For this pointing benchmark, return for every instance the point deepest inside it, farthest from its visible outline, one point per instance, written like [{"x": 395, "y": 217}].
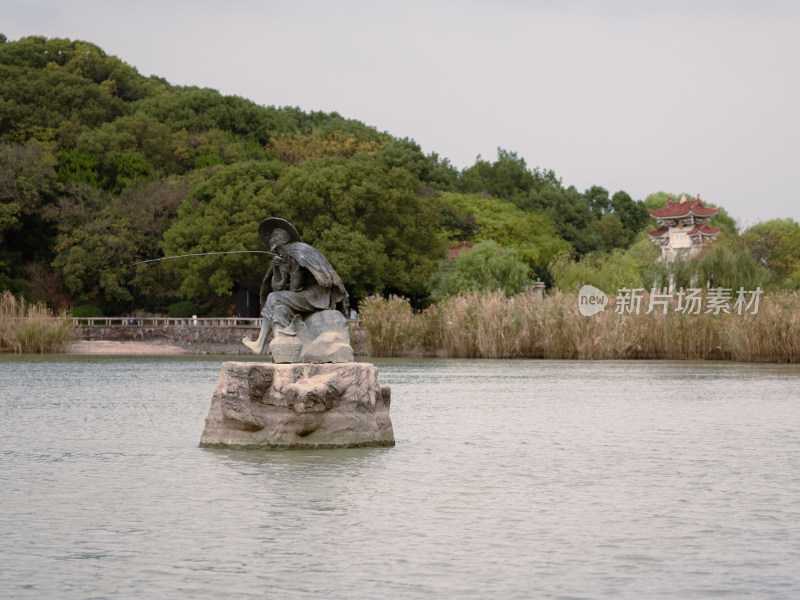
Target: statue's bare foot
[{"x": 254, "y": 346}]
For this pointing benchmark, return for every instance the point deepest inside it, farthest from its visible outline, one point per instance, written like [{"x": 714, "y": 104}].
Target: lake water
[{"x": 510, "y": 479}]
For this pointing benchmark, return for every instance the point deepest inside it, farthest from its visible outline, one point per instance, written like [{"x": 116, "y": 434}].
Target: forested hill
[{"x": 101, "y": 167}]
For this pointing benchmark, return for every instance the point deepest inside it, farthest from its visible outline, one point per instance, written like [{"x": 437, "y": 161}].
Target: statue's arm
[
  {"x": 296, "y": 277},
  {"x": 274, "y": 281},
  {"x": 265, "y": 287},
  {"x": 280, "y": 274}
]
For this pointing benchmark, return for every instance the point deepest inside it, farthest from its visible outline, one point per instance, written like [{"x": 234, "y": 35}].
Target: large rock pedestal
[{"x": 260, "y": 405}]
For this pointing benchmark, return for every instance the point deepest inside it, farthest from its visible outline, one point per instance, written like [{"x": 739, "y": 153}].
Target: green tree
[
  {"x": 507, "y": 178},
  {"x": 654, "y": 271},
  {"x": 366, "y": 218},
  {"x": 611, "y": 232},
  {"x": 201, "y": 149},
  {"x": 27, "y": 182},
  {"x": 734, "y": 269},
  {"x": 484, "y": 268},
  {"x": 431, "y": 171},
  {"x": 101, "y": 237},
  {"x": 220, "y": 214},
  {"x": 606, "y": 271},
  {"x": 128, "y": 149},
  {"x": 571, "y": 215},
  {"x": 49, "y": 82},
  {"x": 78, "y": 166},
  {"x": 598, "y": 200},
  {"x": 381, "y": 203},
  {"x": 532, "y": 235},
  {"x": 28, "y": 185},
  {"x": 195, "y": 109},
  {"x": 775, "y": 244},
  {"x": 361, "y": 262},
  {"x": 632, "y": 215}
]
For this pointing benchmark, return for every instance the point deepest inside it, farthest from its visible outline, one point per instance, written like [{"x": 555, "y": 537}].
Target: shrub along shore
[
  {"x": 528, "y": 326},
  {"x": 28, "y": 327}
]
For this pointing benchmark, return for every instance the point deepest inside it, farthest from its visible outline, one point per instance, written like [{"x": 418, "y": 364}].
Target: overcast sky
[{"x": 685, "y": 95}]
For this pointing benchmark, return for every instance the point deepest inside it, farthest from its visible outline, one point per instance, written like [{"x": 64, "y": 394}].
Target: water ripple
[{"x": 512, "y": 479}]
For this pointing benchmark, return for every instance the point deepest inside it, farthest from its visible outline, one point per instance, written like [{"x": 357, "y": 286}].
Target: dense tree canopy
[
  {"x": 380, "y": 208},
  {"x": 102, "y": 168}
]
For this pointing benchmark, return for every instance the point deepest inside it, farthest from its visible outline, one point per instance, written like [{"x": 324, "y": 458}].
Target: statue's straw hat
[{"x": 267, "y": 226}]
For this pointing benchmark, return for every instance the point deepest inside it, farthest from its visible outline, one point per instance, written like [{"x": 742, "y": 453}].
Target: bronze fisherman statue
[{"x": 300, "y": 281}]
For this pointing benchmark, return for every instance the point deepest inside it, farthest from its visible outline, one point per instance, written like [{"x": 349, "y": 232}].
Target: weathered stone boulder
[
  {"x": 326, "y": 338},
  {"x": 261, "y": 405},
  {"x": 320, "y": 337}
]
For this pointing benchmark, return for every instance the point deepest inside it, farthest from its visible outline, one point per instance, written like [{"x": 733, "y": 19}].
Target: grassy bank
[
  {"x": 28, "y": 327},
  {"x": 526, "y": 326}
]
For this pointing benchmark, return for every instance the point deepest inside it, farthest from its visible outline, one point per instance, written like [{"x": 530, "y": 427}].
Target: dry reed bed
[
  {"x": 28, "y": 327},
  {"x": 526, "y": 326}
]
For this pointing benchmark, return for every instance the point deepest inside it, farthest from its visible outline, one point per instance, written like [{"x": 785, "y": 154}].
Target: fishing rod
[
  {"x": 205, "y": 254},
  {"x": 142, "y": 398},
  {"x": 139, "y": 387}
]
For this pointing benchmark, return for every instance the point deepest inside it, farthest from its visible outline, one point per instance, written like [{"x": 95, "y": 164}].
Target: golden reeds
[
  {"x": 390, "y": 326},
  {"x": 493, "y": 326},
  {"x": 28, "y": 327}
]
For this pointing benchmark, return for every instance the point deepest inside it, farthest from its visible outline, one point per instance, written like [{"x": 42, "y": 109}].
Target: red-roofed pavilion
[{"x": 683, "y": 227}]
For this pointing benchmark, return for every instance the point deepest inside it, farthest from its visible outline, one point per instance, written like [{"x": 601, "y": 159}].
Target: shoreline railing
[{"x": 165, "y": 322}]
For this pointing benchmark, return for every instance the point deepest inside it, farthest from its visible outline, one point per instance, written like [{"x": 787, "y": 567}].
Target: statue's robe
[{"x": 307, "y": 283}]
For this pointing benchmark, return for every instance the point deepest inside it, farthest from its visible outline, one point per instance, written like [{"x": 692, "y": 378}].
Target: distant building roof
[
  {"x": 658, "y": 232},
  {"x": 454, "y": 251},
  {"x": 682, "y": 208},
  {"x": 704, "y": 230}
]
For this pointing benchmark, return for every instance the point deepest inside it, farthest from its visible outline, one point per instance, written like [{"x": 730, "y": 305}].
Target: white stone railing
[{"x": 164, "y": 322}]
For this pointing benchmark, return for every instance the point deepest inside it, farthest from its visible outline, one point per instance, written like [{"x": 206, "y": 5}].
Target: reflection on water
[{"x": 511, "y": 479}]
